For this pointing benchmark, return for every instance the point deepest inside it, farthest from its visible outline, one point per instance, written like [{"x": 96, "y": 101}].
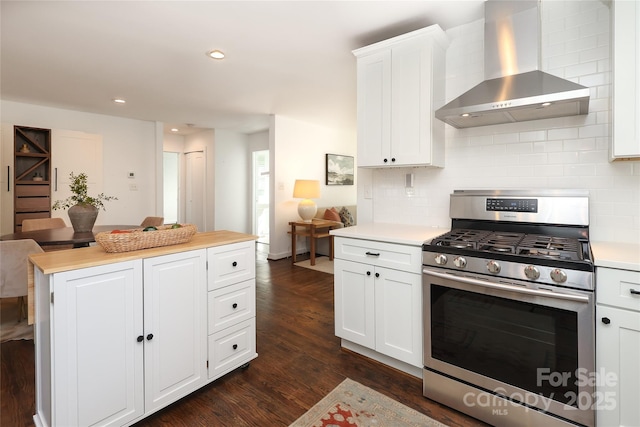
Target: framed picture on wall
[{"x": 339, "y": 169}]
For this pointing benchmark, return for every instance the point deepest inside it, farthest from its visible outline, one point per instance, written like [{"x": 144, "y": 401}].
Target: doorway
[{"x": 261, "y": 196}]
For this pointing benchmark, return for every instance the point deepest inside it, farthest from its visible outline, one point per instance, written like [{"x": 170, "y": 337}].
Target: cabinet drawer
[
  {"x": 33, "y": 204},
  {"x": 618, "y": 288},
  {"x": 32, "y": 190},
  {"x": 231, "y": 264},
  {"x": 391, "y": 255},
  {"x": 231, "y": 304},
  {"x": 232, "y": 347}
]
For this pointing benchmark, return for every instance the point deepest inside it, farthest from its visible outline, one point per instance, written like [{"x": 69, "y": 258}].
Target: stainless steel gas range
[{"x": 508, "y": 309}]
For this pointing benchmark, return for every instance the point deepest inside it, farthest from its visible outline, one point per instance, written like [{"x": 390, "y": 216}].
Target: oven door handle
[{"x": 491, "y": 285}]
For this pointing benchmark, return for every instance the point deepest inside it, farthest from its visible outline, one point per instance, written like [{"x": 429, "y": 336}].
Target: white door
[
  {"x": 175, "y": 326},
  {"x": 195, "y": 189},
  {"x": 76, "y": 152}
]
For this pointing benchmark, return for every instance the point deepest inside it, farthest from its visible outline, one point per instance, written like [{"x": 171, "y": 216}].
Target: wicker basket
[{"x": 138, "y": 239}]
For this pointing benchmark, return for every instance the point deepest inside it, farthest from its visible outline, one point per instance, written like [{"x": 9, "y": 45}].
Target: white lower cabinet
[
  {"x": 377, "y": 306},
  {"x": 117, "y": 342},
  {"x": 618, "y": 347}
]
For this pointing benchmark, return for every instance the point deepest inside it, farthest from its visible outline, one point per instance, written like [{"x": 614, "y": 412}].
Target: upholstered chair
[
  {"x": 13, "y": 270},
  {"x": 42, "y": 224}
]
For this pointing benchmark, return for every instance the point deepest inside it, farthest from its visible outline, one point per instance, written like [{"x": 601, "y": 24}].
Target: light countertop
[
  {"x": 412, "y": 235},
  {"x": 625, "y": 256}
]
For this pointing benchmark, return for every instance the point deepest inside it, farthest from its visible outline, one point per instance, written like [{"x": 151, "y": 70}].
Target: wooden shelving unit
[{"x": 32, "y": 177}]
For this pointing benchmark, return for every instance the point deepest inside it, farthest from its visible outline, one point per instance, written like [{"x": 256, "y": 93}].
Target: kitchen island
[{"x": 119, "y": 336}]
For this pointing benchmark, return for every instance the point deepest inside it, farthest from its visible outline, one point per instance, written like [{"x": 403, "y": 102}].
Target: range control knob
[
  {"x": 441, "y": 259},
  {"x": 558, "y": 275},
  {"x": 460, "y": 262},
  {"x": 493, "y": 267},
  {"x": 532, "y": 272}
]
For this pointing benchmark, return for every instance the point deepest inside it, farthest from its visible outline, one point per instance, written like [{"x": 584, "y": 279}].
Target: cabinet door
[
  {"x": 398, "y": 306},
  {"x": 617, "y": 356},
  {"x": 410, "y": 103},
  {"x": 354, "y": 302},
  {"x": 97, "y": 362},
  {"x": 374, "y": 109},
  {"x": 626, "y": 84},
  {"x": 175, "y": 326},
  {"x": 6, "y": 180}
]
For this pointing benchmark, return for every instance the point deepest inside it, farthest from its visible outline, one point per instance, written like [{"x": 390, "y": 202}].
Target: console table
[{"x": 316, "y": 229}]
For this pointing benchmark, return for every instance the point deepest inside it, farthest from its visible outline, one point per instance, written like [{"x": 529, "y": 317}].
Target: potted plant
[{"x": 83, "y": 209}]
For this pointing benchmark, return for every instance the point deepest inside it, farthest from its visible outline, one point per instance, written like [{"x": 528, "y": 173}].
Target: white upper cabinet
[
  {"x": 626, "y": 80},
  {"x": 400, "y": 85}
]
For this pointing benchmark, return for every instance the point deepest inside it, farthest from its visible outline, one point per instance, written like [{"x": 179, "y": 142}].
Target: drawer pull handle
[
  {"x": 606, "y": 320},
  {"x": 234, "y": 263},
  {"x": 372, "y": 253},
  {"x": 140, "y": 338},
  {"x": 235, "y": 305},
  {"x": 235, "y": 346},
  {"x": 634, "y": 292}
]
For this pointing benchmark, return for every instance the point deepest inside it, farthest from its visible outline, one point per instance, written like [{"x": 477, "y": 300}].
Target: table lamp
[{"x": 307, "y": 189}]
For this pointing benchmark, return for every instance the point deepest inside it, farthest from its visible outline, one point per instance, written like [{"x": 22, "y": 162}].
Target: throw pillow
[
  {"x": 346, "y": 217},
  {"x": 332, "y": 215}
]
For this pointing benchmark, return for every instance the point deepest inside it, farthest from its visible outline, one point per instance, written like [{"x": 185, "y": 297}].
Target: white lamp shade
[{"x": 307, "y": 189}]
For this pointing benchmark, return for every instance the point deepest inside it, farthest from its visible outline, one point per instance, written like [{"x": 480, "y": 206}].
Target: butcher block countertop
[{"x": 73, "y": 259}]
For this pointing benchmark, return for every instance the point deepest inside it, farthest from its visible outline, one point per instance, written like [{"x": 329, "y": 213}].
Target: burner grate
[
  {"x": 500, "y": 242},
  {"x": 550, "y": 247},
  {"x": 461, "y": 238}
]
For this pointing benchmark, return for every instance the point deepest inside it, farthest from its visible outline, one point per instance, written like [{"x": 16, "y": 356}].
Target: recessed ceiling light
[
  {"x": 174, "y": 129},
  {"x": 546, "y": 104},
  {"x": 119, "y": 101},
  {"x": 465, "y": 115},
  {"x": 215, "y": 54}
]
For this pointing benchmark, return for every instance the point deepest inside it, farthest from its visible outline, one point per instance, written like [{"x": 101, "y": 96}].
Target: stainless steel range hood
[{"x": 515, "y": 89}]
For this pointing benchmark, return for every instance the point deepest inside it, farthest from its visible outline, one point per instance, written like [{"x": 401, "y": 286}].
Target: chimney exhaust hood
[{"x": 515, "y": 89}]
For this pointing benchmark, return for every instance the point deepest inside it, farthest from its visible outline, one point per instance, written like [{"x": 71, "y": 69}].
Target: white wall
[
  {"x": 560, "y": 153},
  {"x": 233, "y": 182},
  {"x": 129, "y": 146},
  {"x": 298, "y": 152}
]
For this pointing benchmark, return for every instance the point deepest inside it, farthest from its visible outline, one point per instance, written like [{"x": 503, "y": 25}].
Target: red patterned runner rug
[{"x": 352, "y": 404}]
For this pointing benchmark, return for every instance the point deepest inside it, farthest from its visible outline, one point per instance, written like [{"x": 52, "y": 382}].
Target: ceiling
[{"x": 290, "y": 58}]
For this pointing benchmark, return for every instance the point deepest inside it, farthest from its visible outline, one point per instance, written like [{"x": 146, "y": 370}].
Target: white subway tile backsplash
[{"x": 564, "y": 153}]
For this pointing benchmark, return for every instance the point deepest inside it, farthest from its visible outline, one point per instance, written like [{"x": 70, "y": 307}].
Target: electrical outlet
[{"x": 131, "y": 175}]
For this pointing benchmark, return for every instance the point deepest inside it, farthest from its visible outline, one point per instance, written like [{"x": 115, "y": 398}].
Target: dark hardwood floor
[{"x": 299, "y": 362}]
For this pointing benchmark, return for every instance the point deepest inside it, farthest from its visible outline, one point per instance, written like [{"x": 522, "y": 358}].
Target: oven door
[{"x": 534, "y": 346}]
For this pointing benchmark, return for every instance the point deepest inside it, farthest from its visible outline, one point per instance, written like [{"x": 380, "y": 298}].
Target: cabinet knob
[
  {"x": 606, "y": 320},
  {"x": 149, "y": 337},
  {"x": 140, "y": 338},
  {"x": 235, "y": 346},
  {"x": 235, "y": 305},
  {"x": 234, "y": 263},
  {"x": 385, "y": 160},
  {"x": 377, "y": 274},
  {"x": 368, "y": 273},
  {"x": 393, "y": 159}
]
